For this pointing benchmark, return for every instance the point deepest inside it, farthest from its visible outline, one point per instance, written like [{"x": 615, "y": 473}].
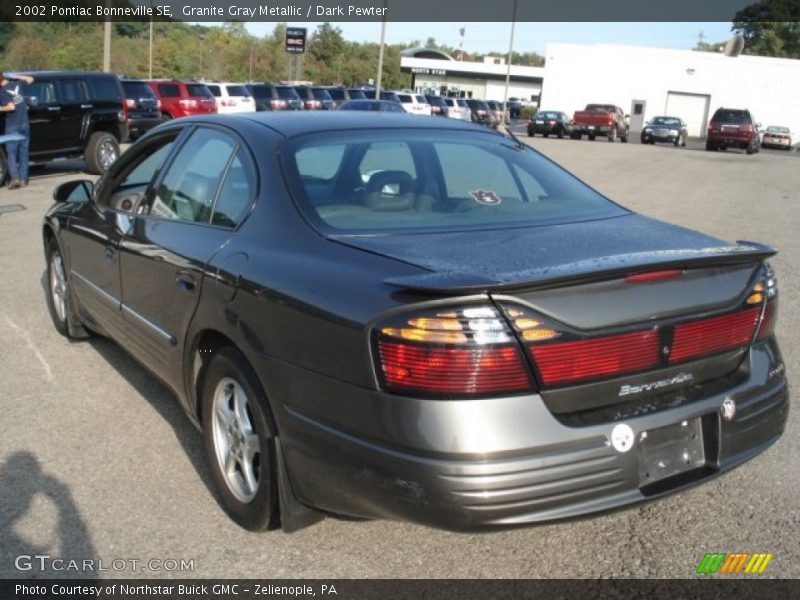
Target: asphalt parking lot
[{"x": 98, "y": 462}]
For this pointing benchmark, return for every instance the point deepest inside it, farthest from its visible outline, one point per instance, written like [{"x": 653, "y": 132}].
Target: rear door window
[
  {"x": 169, "y": 90},
  {"x": 236, "y": 193},
  {"x": 189, "y": 187},
  {"x": 104, "y": 89},
  {"x": 72, "y": 91},
  {"x": 40, "y": 92}
]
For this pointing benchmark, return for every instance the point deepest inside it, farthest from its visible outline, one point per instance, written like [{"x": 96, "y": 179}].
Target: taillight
[
  {"x": 188, "y": 103},
  {"x": 768, "y": 286},
  {"x": 158, "y": 104},
  {"x": 130, "y": 103},
  {"x": 710, "y": 336},
  {"x": 460, "y": 352}
]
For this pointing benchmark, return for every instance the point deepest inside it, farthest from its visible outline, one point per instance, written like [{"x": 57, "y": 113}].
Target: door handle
[
  {"x": 53, "y": 108},
  {"x": 86, "y": 105},
  {"x": 185, "y": 281}
]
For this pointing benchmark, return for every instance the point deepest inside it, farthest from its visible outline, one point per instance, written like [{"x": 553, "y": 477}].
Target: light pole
[
  {"x": 107, "y": 42},
  {"x": 508, "y": 59},
  {"x": 380, "y": 55}
]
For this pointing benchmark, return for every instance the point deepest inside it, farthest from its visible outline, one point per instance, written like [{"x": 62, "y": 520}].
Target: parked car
[
  {"x": 733, "y": 128},
  {"x": 310, "y": 101},
  {"x": 232, "y": 97},
  {"x": 364, "y": 322},
  {"x": 671, "y": 130},
  {"x": 415, "y": 104},
  {"x": 183, "y": 98},
  {"x": 323, "y": 95},
  {"x": 777, "y": 137},
  {"x": 342, "y": 94},
  {"x": 385, "y": 95},
  {"x": 600, "y": 119},
  {"x": 142, "y": 107},
  {"x": 514, "y": 107},
  {"x": 270, "y": 96},
  {"x": 457, "y": 108},
  {"x": 498, "y": 112},
  {"x": 481, "y": 113},
  {"x": 372, "y": 105},
  {"x": 437, "y": 104},
  {"x": 550, "y": 122},
  {"x": 74, "y": 114}
]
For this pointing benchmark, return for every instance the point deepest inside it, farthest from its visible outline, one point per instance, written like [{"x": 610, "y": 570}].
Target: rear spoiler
[{"x": 462, "y": 282}]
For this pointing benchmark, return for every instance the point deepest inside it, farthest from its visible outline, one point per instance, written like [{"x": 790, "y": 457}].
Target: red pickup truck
[{"x": 600, "y": 119}]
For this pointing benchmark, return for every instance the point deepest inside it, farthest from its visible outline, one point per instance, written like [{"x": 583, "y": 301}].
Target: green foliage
[
  {"x": 770, "y": 28},
  {"x": 527, "y": 112}
]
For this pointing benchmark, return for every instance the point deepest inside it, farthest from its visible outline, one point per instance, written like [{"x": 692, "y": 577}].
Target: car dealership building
[{"x": 645, "y": 82}]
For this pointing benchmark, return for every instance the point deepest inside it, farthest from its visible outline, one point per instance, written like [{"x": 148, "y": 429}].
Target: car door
[
  {"x": 44, "y": 114},
  {"x": 73, "y": 96},
  {"x": 165, "y": 252},
  {"x": 93, "y": 235}
]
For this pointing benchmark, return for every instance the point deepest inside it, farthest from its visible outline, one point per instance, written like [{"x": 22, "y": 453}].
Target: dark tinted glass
[
  {"x": 214, "y": 89},
  {"x": 169, "y": 90},
  {"x": 198, "y": 89},
  {"x": 337, "y": 94},
  {"x": 72, "y": 91},
  {"x": 235, "y": 194},
  {"x": 43, "y": 91},
  {"x": 731, "y": 116},
  {"x": 237, "y": 90},
  {"x": 321, "y": 94},
  {"x": 356, "y": 94},
  {"x": 287, "y": 93},
  {"x": 104, "y": 88},
  {"x": 137, "y": 89}
]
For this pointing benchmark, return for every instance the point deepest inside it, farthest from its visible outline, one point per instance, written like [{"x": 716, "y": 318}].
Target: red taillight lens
[
  {"x": 463, "y": 352},
  {"x": 452, "y": 371},
  {"x": 130, "y": 103},
  {"x": 768, "y": 320},
  {"x": 190, "y": 103},
  {"x": 158, "y": 104},
  {"x": 565, "y": 362},
  {"x": 709, "y": 336}
]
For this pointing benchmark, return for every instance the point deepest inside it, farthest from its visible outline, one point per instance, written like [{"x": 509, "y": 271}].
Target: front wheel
[
  {"x": 239, "y": 436},
  {"x": 101, "y": 152},
  {"x": 57, "y": 289}
]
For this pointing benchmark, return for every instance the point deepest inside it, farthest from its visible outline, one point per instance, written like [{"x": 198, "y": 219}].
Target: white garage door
[{"x": 692, "y": 108}]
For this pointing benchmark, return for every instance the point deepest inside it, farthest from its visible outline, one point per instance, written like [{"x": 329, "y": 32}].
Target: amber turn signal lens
[
  {"x": 436, "y": 324},
  {"x": 755, "y": 298},
  {"x": 422, "y": 335},
  {"x": 539, "y": 335}
]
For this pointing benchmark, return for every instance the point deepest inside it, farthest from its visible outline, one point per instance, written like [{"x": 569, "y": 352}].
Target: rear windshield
[
  {"x": 214, "y": 89},
  {"x": 731, "y": 116},
  {"x": 547, "y": 115},
  {"x": 774, "y": 129},
  {"x": 287, "y": 93},
  {"x": 422, "y": 99},
  {"x": 237, "y": 90},
  {"x": 391, "y": 179},
  {"x": 405, "y": 98},
  {"x": 358, "y": 94},
  {"x": 666, "y": 121},
  {"x": 105, "y": 88},
  {"x": 320, "y": 94},
  {"x": 462, "y": 103},
  {"x": 198, "y": 89},
  {"x": 137, "y": 89}
]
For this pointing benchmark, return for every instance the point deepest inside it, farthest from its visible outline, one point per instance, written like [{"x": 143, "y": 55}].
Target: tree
[{"x": 770, "y": 28}]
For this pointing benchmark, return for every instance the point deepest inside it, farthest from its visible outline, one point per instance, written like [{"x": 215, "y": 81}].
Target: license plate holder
[{"x": 671, "y": 450}]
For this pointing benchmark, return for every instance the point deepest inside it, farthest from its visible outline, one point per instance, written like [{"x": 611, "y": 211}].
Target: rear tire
[
  {"x": 612, "y": 135},
  {"x": 575, "y": 136},
  {"x": 624, "y": 138},
  {"x": 546, "y": 134},
  {"x": 710, "y": 147},
  {"x": 560, "y": 133},
  {"x": 239, "y": 440},
  {"x": 58, "y": 304},
  {"x": 101, "y": 152},
  {"x": 591, "y": 137}
]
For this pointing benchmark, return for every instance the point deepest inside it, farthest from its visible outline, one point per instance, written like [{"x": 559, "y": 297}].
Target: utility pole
[
  {"x": 380, "y": 55},
  {"x": 107, "y": 45},
  {"x": 150, "y": 57}
]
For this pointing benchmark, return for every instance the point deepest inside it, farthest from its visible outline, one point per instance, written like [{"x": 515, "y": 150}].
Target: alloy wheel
[{"x": 58, "y": 285}]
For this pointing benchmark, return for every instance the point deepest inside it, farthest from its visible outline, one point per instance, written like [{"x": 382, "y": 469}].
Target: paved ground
[{"x": 96, "y": 460}]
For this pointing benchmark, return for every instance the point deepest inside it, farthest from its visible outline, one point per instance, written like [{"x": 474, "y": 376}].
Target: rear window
[
  {"x": 237, "y": 90},
  {"x": 214, "y": 89},
  {"x": 422, "y": 99},
  {"x": 337, "y": 94},
  {"x": 104, "y": 88},
  {"x": 731, "y": 116},
  {"x": 321, "y": 94},
  {"x": 462, "y": 103},
  {"x": 137, "y": 89},
  {"x": 359, "y": 94},
  {"x": 547, "y": 115},
  {"x": 386, "y": 180},
  {"x": 169, "y": 90},
  {"x": 287, "y": 93},
  {"x": 405, "y": 98},
  {"x": 198, "y": 89}
]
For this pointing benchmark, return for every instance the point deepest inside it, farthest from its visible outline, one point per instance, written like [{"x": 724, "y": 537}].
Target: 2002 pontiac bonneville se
[{"x": 387, "y": 316}]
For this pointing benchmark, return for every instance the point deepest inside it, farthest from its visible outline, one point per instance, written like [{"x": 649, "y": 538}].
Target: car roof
[
  {"x": 291, "y": 123},
  {"x": 68, "y": 74}
]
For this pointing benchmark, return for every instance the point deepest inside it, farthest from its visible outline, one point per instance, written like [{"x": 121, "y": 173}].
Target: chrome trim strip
[
  {"x": 169, "y": 338},
  {"x": 103, "y": 294}
]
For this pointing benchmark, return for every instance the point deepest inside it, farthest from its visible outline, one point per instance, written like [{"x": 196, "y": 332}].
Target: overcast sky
[{"x": 528, "y": 37}]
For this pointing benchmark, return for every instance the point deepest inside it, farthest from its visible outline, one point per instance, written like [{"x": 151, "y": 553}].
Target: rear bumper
[
  {"x": 466, "y": 465},
  {"x": 140, "y": 126},
  {"x": 593, "y": 129},
  {"x": 727, "y": 140}
]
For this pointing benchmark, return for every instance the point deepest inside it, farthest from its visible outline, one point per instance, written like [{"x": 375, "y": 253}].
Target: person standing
[{"x": 16, "y": 112}]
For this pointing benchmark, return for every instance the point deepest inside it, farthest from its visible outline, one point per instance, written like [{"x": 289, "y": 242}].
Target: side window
[
  {"x": 39, "y": 93},
  {"x": 320, "y": 162},
  {"x": 72, "y": 91},
  {"x": 235, "y": 194},
  {"x": 188, "y": 189},
  {"x": 144, "y": 172},
  {"x": 169, "y": 90}
]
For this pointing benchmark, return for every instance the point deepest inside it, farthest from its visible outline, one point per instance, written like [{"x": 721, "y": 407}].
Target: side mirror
[{"x": 76, "y": 192}]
